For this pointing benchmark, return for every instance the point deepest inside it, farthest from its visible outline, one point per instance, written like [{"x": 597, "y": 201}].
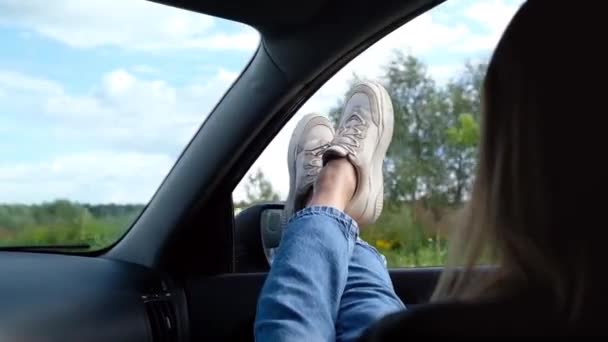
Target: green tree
[
  {"x": 463, "y": 111},
  {"x": 63, "y": 213},
  {"x": 430, "y": 163},
  {"x": 434, "y": 148},
  {"x": 414, "y": 168},
  {"x": 65, "y": 222},
  {"x": 259, "y": 189}
]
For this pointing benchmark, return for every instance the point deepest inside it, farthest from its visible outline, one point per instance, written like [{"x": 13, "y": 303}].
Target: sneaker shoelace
[
  {"x": 314, "y": 162},
  {"x": 351, "y": 132}
]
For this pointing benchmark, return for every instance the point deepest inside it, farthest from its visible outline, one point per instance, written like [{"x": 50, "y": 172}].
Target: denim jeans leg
[
  {"x": 368, "y": 294},
  {"x": 301, "y": 296}
]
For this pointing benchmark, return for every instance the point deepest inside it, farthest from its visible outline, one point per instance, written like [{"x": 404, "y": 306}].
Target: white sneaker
[
  {"x": 364, "y": 133},
  {"x": 309, "y": 140}
]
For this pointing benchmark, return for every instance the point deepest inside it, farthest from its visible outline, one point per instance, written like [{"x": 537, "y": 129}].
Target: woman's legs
[
  {"x": 325, "y": 283},
  {"x": 302, "y": 294},
  {"x": 368, "y": 294}
]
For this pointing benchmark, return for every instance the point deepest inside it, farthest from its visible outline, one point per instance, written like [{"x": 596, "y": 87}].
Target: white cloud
[
  {"x": 422, "y": 36},
  {"x": 144, "y": 69},
  {"x": 128, "y": 112},
  {"x": 246, "y": 40},
  {"x": 14, "y": 81},
  {"x": 226, "y": 75},
  {"x": 493, "y": 16},
  {"x": 442, "y": 73},
  {"x": 131, "y": 129},
  {"x": 118, "y": 82},
  {"x": 95, "y": 176},
  {"x": 133, "y": 24}
]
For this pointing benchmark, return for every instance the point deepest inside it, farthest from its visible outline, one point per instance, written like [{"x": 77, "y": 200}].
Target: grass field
[
  {"x": 400, "y": 234},
  {"x": 404, "y": 240}
]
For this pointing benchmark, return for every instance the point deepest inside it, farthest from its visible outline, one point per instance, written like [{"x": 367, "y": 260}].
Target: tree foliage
[
  {"x": 429, "y": 167},
  {"x": 436, "y": 132},
  {"x": 259, "y": 189},
  {"x": 65, "y": 222}
]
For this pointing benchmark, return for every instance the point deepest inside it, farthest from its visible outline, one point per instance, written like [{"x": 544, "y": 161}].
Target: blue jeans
[{"x": 325, "y": 284}]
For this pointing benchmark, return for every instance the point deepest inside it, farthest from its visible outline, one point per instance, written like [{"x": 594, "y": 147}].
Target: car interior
[{"x": 189, "y": 269}]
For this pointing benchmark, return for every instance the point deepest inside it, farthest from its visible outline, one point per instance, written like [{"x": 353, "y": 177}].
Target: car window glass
[
  {"x": 433, "y": 68},
  {"x": 98, "y": 99}
]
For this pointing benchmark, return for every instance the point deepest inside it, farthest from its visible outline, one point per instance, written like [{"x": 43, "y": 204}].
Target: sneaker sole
[
  {"x": 291, "y": 160},
  {"x": 291, "y": 166},
  {"x": 385, "y": 135}
]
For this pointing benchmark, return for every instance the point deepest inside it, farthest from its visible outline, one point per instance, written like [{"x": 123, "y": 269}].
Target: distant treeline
[
  {"x": 61, "y": 212},
  {"x": 65, "y": 222}
]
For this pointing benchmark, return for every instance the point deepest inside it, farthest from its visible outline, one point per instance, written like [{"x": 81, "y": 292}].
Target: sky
[{"x": 98, "y": 98}]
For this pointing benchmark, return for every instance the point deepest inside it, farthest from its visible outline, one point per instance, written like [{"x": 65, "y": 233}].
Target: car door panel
[{"x": 223, "y": 307}]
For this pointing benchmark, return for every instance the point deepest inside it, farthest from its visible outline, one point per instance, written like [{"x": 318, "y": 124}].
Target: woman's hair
[{"x": 533, "y": 212}]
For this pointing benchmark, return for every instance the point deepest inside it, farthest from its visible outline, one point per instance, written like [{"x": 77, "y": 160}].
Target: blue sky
[{"x": 99, "y": 97}]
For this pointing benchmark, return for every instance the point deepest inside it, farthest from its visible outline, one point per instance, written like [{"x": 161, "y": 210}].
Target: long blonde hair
[{"x": 533, "y": 173}]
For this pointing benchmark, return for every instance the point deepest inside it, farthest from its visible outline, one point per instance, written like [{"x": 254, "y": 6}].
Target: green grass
[
  {"x": 401, "y": 237},
  {"x": 97, "y": 235},
  {"x": 64, "y": 223},
  {"x": 404, "y": 241}
]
